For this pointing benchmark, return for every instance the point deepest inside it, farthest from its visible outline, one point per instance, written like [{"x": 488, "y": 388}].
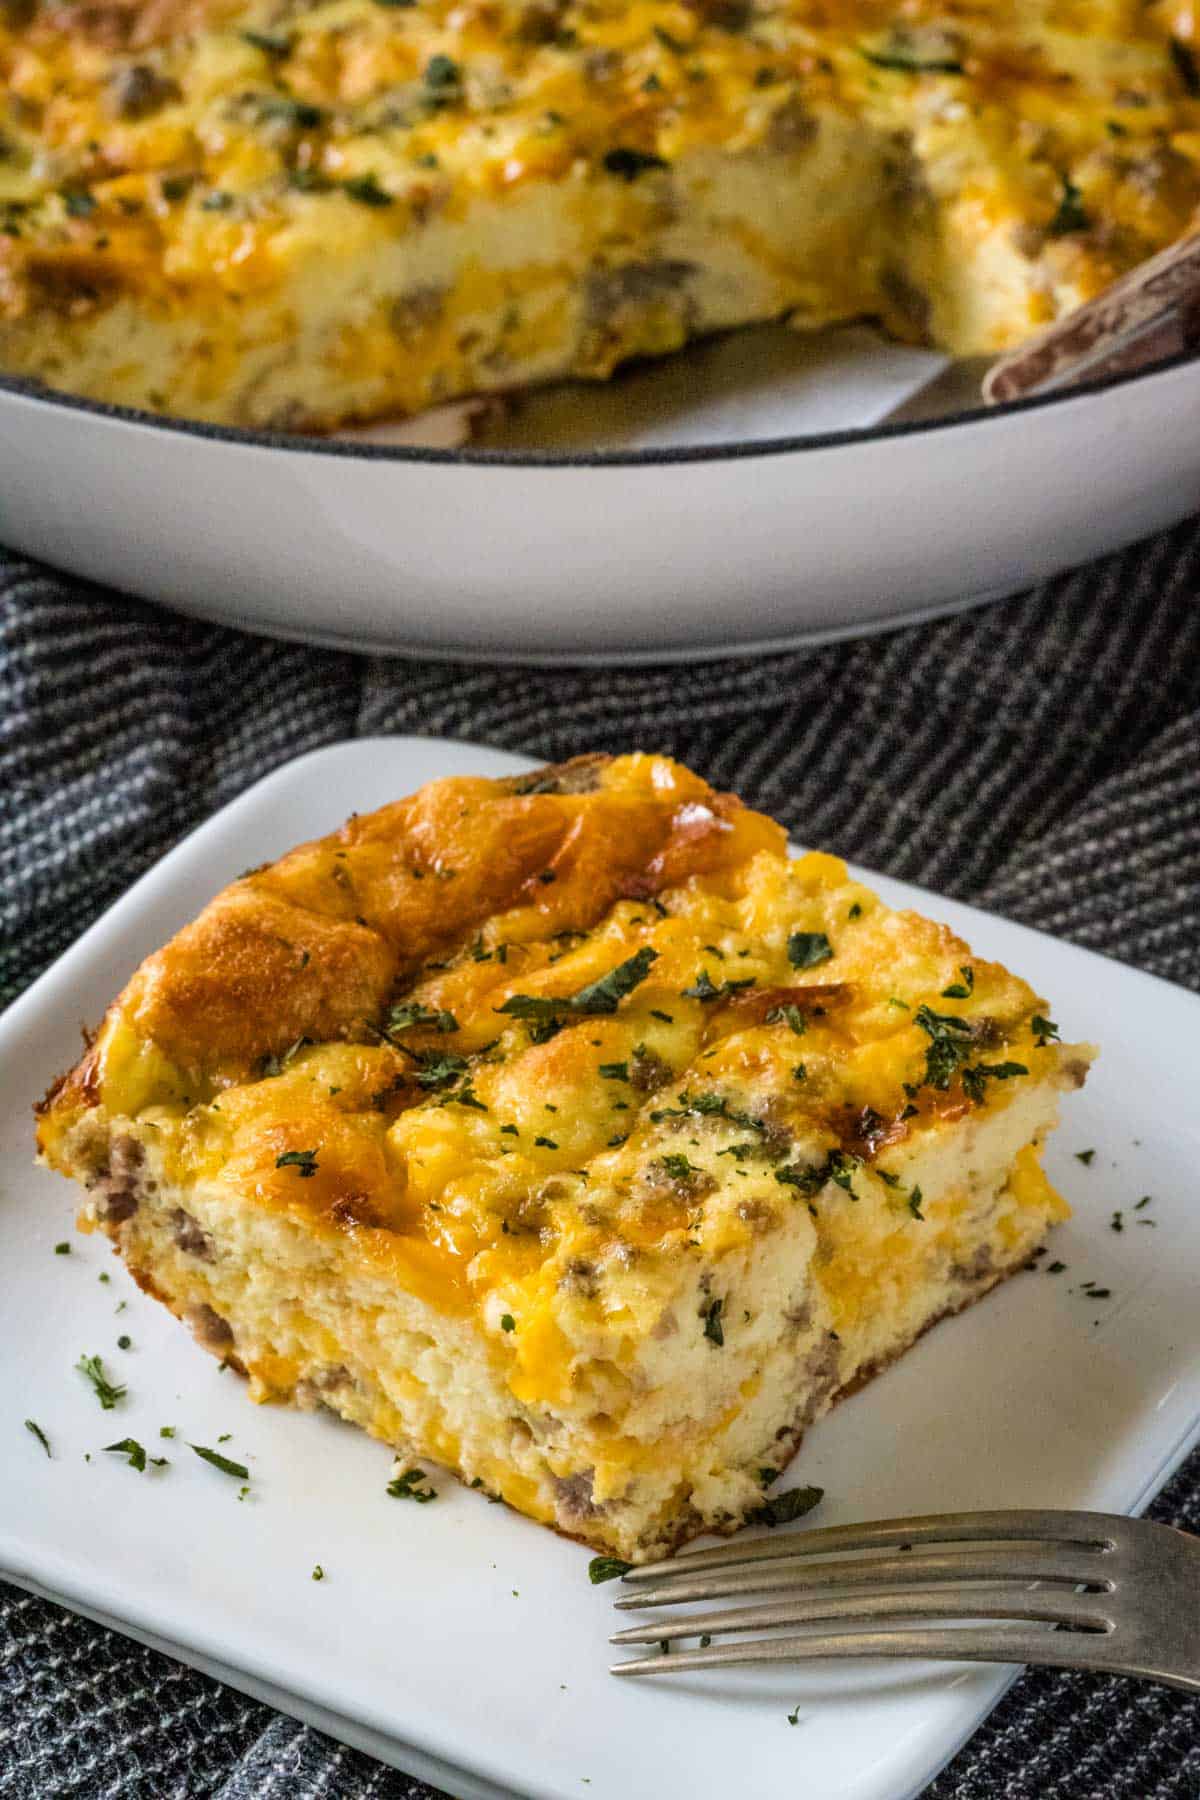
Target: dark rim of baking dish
[{"x": 471, "y": 456}]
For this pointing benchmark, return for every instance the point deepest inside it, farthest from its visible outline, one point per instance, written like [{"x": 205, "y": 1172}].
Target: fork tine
[
  {"x": 921, "y": 1528},
  {"x": 1021, "y": 1562},
  {"x": 1051, "y": 1606},
  {"x": 990, "y": 1643}
]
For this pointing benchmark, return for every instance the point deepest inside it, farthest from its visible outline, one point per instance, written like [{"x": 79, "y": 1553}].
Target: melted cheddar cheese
[
  {"x": 294, "y": 213},
  {"x": 573, "y": 1079}
]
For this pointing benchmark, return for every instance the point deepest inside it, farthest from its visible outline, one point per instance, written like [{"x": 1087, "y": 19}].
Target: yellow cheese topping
[
  {"x": 201, "y": 157},
  {"x": 575, "y": 1080}
]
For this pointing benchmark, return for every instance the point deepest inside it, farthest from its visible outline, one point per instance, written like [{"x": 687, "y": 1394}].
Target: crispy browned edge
[{"x": 577, "y": 775}]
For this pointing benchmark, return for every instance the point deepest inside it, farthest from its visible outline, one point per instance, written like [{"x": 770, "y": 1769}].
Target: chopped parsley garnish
[
  {"x": 599, "y": 997},
  {"x": 33, "y": 1426},
  {"x": 839, "y": 1167},
  {"x": 545, "y": 1143},
  {"x": 618, "y": 1071},
  {"x": 509, "y": 1131},
  {"x": 950, "y": 1038},
  {"x": 910, "y": 62},
  {"x": 628, "y": 163},
  {"x": 366, "y": 190},
  {"x": 1085, "y": 1157},
  {"x": 975, "y": 1077},
  {"x": 789, "y": 1015},
  {"x": 411, "y": 1012},
  {"x": 1144, "y": 1201},
  {"x": 507, "y": 1322},
  {"x": 63, "y": 1249},
  {"x": 166, "y": 1431},
  {"x": 1044, "y": 1030},
  {"x": 303, "y": 1161},
  {"x": 713, "y": 1329},
  {"x": 224, "y": 1463},
  {"x": 79, "y": 204},
  {"x": 808, "y": 948},
  {"x": 1055, "y": 1268},
  {"x": 793, "y": 1718},
  {"x": 465, "y": 1096},
  {"x": 855, "y": 911},
  {"x": 781, "y": 1509},
  {"x": 408, "y": 1487},
  {"x": 436, "y": 1068},
  {"x": 704, "y": 988},
  {"x": 604, "y": 995},
  {"x": 707, "y": 1106},
  {"x": 961, "y": 990},
  {"x": 130, "y": 1448},
  {"x": 914, "y": 1204},
  {"x": 124, "y": 1343},
  {"x": 106, "y": 1393},
  {"x": 842, "y": 1167},
  {"x": 1116, "y": 1223},
  {"x": 606, "y": 1568},
  {"x": 300, "y": 114},
  {"x": 664, "y": 1016},
  {"x": 1071, "y": 214},
  {"x": 269, "y": 42},
  {"x": 443, "y": 79},
  {"x": 800, "y": 1072},
  {"x": 318, "y": 1573},
  {"x": 677, "y": 1165}
]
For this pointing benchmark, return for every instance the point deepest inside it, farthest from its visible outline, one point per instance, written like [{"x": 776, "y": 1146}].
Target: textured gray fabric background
[{"x": 1041, "y": 757}]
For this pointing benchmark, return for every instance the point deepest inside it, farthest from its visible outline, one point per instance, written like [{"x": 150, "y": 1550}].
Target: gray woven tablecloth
[{"x": 1041, "y": 757}]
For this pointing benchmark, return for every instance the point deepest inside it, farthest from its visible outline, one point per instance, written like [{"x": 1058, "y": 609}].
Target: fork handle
[{"x": 1020, "y": 1644}]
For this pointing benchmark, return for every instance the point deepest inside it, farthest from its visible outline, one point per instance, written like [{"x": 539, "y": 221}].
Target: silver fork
[{"x": 1124, "y": 1594}]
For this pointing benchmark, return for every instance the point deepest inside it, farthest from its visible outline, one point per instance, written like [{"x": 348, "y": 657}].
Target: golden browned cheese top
[
  {"x": 184, "y": 147},
  {"x": 317, "y": 944}
]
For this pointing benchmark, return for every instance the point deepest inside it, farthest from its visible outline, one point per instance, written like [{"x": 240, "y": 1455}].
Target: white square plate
[{"x": 462, "y": 1642}]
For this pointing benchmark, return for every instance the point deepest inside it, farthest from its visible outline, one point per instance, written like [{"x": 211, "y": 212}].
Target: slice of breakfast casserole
[{"x": 564, "y": 1130}]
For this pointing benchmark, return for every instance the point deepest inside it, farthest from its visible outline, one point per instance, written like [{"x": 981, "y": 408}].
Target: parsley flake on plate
[
  {"x": 130, "y": 1449},
  {"x": 408, "y": 1487},
  {"x": 226, "y": 1465},
  {"x": 793, "y": 1503},
  {"x": 106, "y": 1393},
  {"x": 607, "y": 1568}
]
